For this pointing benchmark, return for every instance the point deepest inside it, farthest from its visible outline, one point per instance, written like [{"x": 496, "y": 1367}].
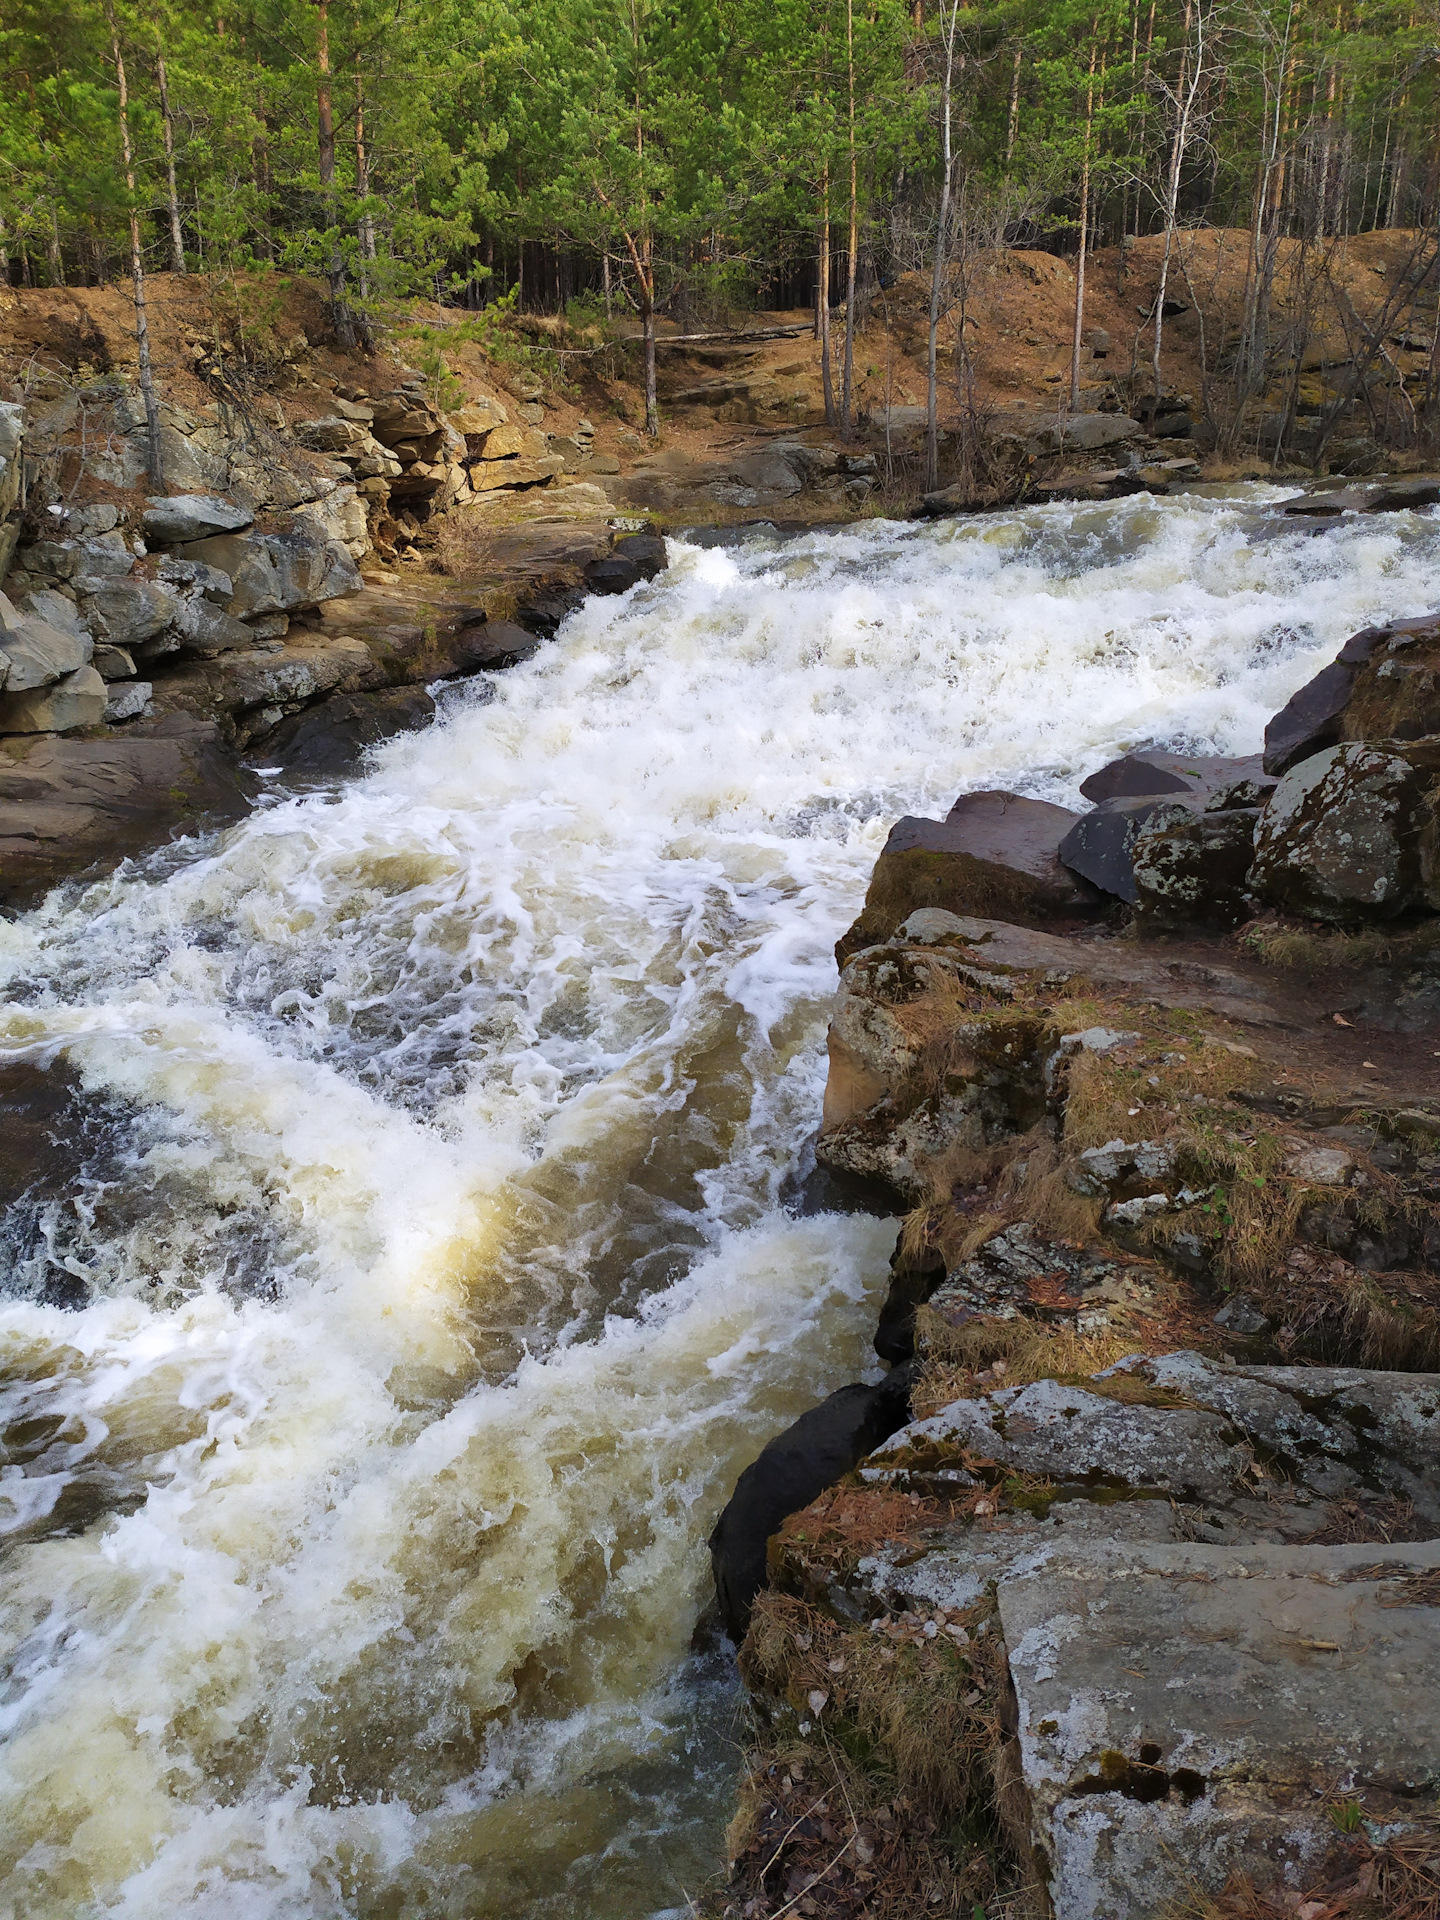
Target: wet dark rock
[
  {"x": 36, "y": 1114},
  {"x": 329, "y": 737},
  {"x": 640, "y": 557},
  {"x": 994, "y": 853},
  {"x": 1382, "y": 685},
  {"x": 810, "y": 1455},
  {"x": 66, "y": 804},
  {"x": 913, "y": 1279},
  {"x": 1350, "y": 833},
  {"x": 1207, "y": 780}
]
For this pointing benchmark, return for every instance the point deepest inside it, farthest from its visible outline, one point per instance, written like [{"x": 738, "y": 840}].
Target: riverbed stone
[
  {"x": 1350, "y": 834},
  {"x": 994, "y": 853}
]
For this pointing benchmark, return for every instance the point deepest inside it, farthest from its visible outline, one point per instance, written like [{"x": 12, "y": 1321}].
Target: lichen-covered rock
[
  {"x": 924, "y": 1052},
  {"x": 1100, "y": 846},
  {"x": 995, "y": 853},
  {"x": 1194, "y": 872},
  {"x": 1020, "y": 1272},
  {"x": 1186, "y": 1703},
  {"x": 1350, "y": 833}
]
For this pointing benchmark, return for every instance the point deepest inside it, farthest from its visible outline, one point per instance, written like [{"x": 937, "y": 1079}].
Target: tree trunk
[
  {"x": 1078, "y": 322},
  {"x": 1184, "y": 99},
  {"x": 53, "y": 250},
  {"x": 365, "y": 232},
  {"x": 325, "y": 124},
  {"x": 646, "y": 277},
  {"x": 137, "y": 264},
  {"x": 177, "y": 236},
  {"x": 949, "y": 22},
  {"x": 847, "y": 377},
  {"x": 827, "y": 378},
  {"x": 1012, "y": 120},
  {"x": 605, "y": 282}
]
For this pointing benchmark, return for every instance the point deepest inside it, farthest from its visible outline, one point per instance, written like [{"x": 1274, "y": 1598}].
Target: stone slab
[{"x": 1199, "y": 1707}]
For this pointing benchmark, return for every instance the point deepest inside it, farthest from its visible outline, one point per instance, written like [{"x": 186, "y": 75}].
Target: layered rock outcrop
[{"x": 1150, "y": 1575}]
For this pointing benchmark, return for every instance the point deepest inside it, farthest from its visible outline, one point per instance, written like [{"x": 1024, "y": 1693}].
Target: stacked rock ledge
[{"x": 1132, "y": 1612}]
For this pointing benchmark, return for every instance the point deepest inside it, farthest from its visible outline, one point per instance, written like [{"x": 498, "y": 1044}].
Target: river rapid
[{"x": 432, "y": 1270}]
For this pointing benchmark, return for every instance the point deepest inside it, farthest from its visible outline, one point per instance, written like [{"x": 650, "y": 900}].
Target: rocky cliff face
[{"x": 1132, "y": 1616}]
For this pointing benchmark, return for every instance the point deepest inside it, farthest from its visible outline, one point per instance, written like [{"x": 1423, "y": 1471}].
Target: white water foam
[{"x": 436, "y": 1279}]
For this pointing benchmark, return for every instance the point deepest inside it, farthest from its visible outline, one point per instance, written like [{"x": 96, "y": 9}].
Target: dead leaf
[{"x": 1341, "y": 1021}]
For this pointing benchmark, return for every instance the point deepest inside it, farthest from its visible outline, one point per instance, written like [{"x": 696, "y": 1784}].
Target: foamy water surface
[{"x": 429, "y": 1276}]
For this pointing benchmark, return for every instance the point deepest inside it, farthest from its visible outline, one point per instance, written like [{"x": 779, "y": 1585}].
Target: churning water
[{"x": 427, "y": 1279}]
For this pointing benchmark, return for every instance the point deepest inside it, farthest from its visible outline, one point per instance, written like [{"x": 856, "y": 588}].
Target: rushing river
[{"x": 429, "y": 1273}]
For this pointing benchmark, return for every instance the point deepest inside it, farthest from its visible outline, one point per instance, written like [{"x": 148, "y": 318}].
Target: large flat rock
[
  {"x": 68, "y": 803},
  {"x": 1197, "y": 1709}
]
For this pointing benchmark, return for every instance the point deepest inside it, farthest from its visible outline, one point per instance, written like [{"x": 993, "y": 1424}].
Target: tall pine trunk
[
  {"x": 137, "y": 263},
  {"x": 949, "y": 22},
  {"x": 847, "y": 377},
  {"x": 1078, "y": 319},
  {"x": 177, "y": 236},
  {"x": 365, "y": 231},
  {"x": 827, "y": 378},
  {"x": 325, "y": 125}
]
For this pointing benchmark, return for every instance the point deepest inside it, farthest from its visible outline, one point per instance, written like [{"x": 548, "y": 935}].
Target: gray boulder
[
  {"x": 206, "y": 629},
  {"x": 12, "y": 439},
  {"x": 195, "y": 575},
  {"x": 33, "y": 653},
  {"x": 76, "y": 700},
  {"x": 1084, "y": 433},
  {"x": 113, "y": 663},
  {"x": 1351, "y": 833},
  {"x": 330, "y": 435},
  {"x": 192, "y": 516},
  {"x": 280, "y": 572},
  {"x": 104, "y": 557},
  {"x": 126, "y": 613},
  {"x": 129, "y": 701}
]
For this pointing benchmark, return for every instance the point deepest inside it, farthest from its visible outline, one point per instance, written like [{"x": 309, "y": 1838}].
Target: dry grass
[
  {"x": 892, "y": 1803},
  {"x": 1334, "y": 1314},
  {"x": 1301, "y": 947},
  {"x": 985, "y": 1353}
]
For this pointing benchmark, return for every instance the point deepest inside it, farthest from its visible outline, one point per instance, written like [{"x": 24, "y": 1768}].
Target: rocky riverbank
[{"x": 1115, "y": 1597}]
